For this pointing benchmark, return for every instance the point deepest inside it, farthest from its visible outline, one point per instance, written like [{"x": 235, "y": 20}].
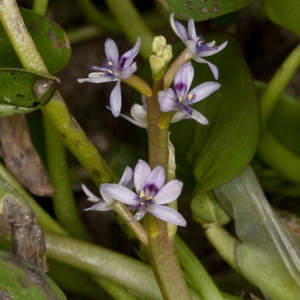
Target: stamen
[
  {"x": 110, "y": 63},
  {"x": 110, "y": 71},
  {"x": 180, "y": 99},
  {"x": 94, "y": 74},
  {"x": 190, "y": 96},
  {"x": 142, "y": 194}
]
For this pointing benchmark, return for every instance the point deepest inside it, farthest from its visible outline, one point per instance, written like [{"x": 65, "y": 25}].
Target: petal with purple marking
[
  {"x": 156, "y": 179},
  {"x": 127, "y": 58},
  {"x": 167, "y": 214},
  {"x": 167, "y": 100},
  {"x": 141, "y": 172},
  {"x": 209, "y": 52},
  {"x": 183, "y": 79}
]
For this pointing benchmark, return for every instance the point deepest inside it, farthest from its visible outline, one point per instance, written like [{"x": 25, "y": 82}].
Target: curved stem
[
  {"x": 161, "y": 242},
  {"x": 95, "y": 260},
  {"x": 278, "y": 83},
  {"x": 63, "y": 200},
  {"x": 203, "y": 283},
  {"x": 139, "y": 84},
  {"x": 132, "y": 24}
]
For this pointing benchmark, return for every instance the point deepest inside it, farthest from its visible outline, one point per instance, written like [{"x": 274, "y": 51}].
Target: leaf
[
  {"x": 204, "y": 10},
  {"x": 284, "y": 13},
  {"x": 49, "y": 38},
  {"x": 215, "y": 153},
  {"x": 270, "y": 254},
  {"x": 22, "y": 91}
]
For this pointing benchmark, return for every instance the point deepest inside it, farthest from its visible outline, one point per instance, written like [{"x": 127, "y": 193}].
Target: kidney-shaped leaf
[
  {"x": 50, "y": 40},
  {"x": 22, "y": 91},
  {"x": 219, "y": 151},
  {"x": 284, "y": 13},
  {"x": 204, "y": 10}
]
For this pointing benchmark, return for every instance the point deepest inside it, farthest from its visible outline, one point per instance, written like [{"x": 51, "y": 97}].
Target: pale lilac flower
[
  {"x": 139, "y": 115},
  {"x": 195, "y": 43},
  {"x": 106, "y": 202},
  {"x": 151, "y": 194},
  {"x": 181, "y": 99},
  {"x": 114, "y": 69}
]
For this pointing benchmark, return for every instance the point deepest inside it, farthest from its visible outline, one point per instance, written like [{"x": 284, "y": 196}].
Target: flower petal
[
  {"x": 100, "y": 206},
  {"x": 111, "y": 51},
  {"x": 133, "y": 121},
  {"x": 127, "y": 178},
  {"x": 170, "y": 192},
  {"x": 139, "y": 113},
  {"x": 115, "y": 99},
  {"x": 119, "y": 193},
  {"x": 127, "y": 58},
  {"x": 179, "y": 29},
  {"x": 167, "y": 100},
  {"x": 167, "y": 214},
  {"x": 209, "y": 52},
  {"x": 203, "y": 90},
  {"x": 128, "y": 71},
  {"x": 192, "y": 30},
  {"x": 213, "y": 68},
  {"x": 141, "y": 172},
  {"x": 197, "y": 116},
  {"x": 139, "y": 214},
  {"x": 155, "y": 181},
  {"x": 100, "y": 79},
  {"x": 91, "y": 197},
  {"x": 178, "y": 117},
  {"x": 183, "y": 79}
]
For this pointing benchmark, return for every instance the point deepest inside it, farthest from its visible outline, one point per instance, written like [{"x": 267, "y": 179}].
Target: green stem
[
  {"x": 169, "y": 75},
  {"x": 132, "y": 24},
  {"x": 93, "y": 14},
  {"x": 40, "y": 7},
  {"x": 139, "y": 84},
  {"x": 202, "y": 282},
  {"x": 278, "y": 83},
  {"x": 42, "y": 217},
  {"x": 63, "y": 200},
  {"x": 123, "y": 270},
  {"x": 161, "y": 242}
]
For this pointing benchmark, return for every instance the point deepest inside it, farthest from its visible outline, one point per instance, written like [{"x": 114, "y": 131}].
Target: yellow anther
[
  {"x": 149, "y": 198},
  {"x": 142, "y": 194},
  {"x": 190, "y": 97},
  {"x": 180, "y": 98},
  {"x": 110, "y": 63},
  {"x": 110, "y": 71}
]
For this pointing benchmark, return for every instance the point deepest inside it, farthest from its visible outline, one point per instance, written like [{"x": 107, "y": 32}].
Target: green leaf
[
  {"x": 204, "y": 10},
  {"x": 22, "y": 91},
  {"x": 284, "y": 13},
  {"x": 219, "y": 151},
  {"x": 50, "y": 39}
]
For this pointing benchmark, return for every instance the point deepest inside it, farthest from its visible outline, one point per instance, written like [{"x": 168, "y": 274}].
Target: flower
[
  {"x": 195, "y": 43},
  {"x": 139, "y": 115},
  {"x": 181, "y": 99},
  {"x": 151, "y": 194},
  {"x": 114, "y": 69},
  {"x": 106, "y": 203}
]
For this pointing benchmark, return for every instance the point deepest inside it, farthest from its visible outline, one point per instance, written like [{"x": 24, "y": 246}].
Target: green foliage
[
  {"x": 20, "y": 281},
  {"x": 204, "y": 10},
  {"x": 22, "y": 91},
  {"x": 284, "y": 13},
  {"x": 216, "y": 153},
  {"x": 49, "y": 38}
]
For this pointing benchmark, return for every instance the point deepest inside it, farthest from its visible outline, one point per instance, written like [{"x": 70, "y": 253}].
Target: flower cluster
[{"x": 151, "y": 194}]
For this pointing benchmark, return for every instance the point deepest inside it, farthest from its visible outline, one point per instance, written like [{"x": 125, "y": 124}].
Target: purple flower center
[
  {"x": 108, "y": 69},
  {"x": 145, "y": 199},
  {"x": 201, "y": 46}
]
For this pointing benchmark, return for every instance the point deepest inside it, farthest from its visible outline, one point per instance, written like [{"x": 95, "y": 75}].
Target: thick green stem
[
  {"x": 161, "y": 243},
  {"x": 139, "y": 84},
  {"x": 278, "y": 83},
  {"x": 63, "y": 200},
  {"x": 123, "y": 270},
  {"x": 132, "y": 24},
  {"x": 202, "y": 282}
]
